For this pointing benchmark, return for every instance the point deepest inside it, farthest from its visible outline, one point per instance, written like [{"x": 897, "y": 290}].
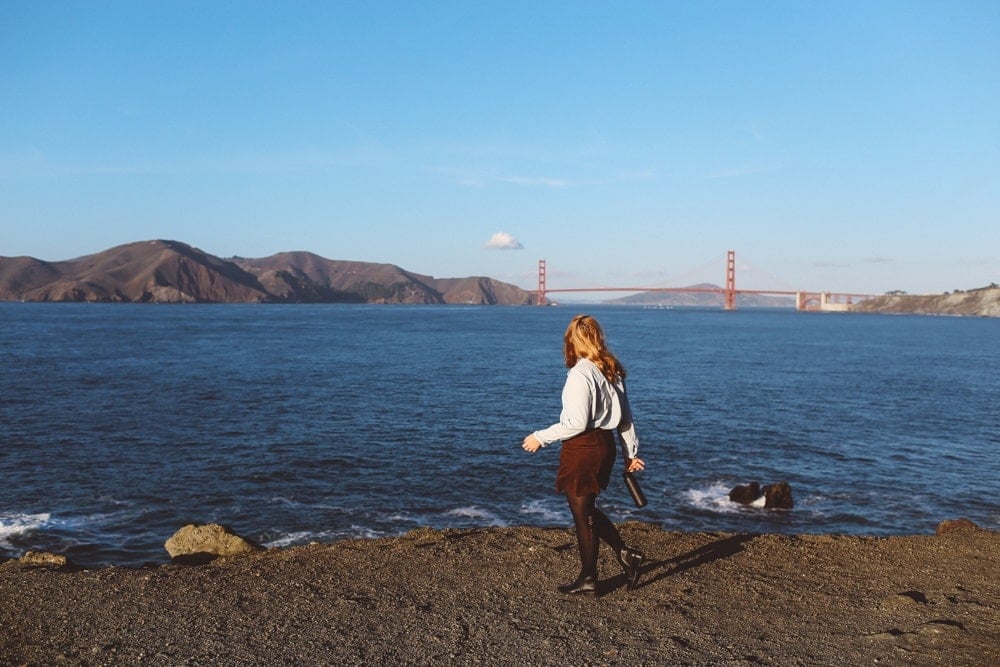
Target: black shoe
[
  {"x": 631, "y": 561},
  {"x": 582, "y": 586}
]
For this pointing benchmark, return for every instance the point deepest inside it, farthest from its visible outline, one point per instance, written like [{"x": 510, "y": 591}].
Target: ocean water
[{"x": 293, "y": 423}]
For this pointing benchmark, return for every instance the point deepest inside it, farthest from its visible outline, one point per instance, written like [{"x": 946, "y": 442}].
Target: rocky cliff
[
  {"x": 172, "y": 272},
  {"x": 982, "y": 302}
]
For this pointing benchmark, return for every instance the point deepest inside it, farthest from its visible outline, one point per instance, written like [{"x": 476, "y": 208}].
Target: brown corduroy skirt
[{"x": 585, "y": 463}]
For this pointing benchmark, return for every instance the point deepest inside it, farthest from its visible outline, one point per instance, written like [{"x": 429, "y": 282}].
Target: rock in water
[
  {"x": 745, "y": 494},
  {"x": 779, "y": 496},
  {"x": 196, "y": 544},
  {"x": 772, "y": 496}
]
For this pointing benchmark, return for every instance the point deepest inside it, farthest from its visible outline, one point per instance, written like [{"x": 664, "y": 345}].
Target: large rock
[
  {"x": 201, "y": 543},
  {"x": 778, "y": 496},
  {"x": 772, "y": 496},
  {"x": 745, "y": 494}
]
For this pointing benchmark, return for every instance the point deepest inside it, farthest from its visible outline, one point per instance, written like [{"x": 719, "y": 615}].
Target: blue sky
[{"x": 848, "y": 146}]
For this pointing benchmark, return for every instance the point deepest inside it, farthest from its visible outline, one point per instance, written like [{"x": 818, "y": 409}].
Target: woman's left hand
[
  {"x": 634, "y": 465},
  {"x": 531, "y": 444}
]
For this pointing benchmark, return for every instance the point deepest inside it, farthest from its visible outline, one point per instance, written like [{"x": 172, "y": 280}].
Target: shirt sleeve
[
  {"x": 575, "y": 416},
  {"x": 626, "y": 427}
]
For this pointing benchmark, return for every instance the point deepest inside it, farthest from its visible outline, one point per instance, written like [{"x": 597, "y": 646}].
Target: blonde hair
[{"x": 585, "y": 339}]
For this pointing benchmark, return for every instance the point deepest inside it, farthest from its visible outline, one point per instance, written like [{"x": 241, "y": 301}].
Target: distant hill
[
  {"x": 173, "y": 272},
  {"x": 703, "y": 299},
  {"x": 981, "y": 302}
]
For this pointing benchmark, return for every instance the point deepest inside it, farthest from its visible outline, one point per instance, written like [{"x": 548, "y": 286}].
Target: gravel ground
[{"x": 488, "y": 597}]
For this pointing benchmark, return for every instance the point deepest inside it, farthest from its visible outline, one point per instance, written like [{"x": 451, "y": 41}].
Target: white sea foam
[
  {"x": 714, "y": 498},
  {"x": 477, "y": 513},
  {"x": 812, "y": 499},
  {"x": 289, "y": 539},
  {"x": 301, "y": 537},
  {"x": 363, "y": 532},
  {"x": 113, "y": 500},
  {"x": 544, "y": 511},
  {"x": 13, "y": 524}
]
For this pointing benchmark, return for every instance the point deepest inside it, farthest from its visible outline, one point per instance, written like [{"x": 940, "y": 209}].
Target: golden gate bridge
[{"x": 822, "y": 301}]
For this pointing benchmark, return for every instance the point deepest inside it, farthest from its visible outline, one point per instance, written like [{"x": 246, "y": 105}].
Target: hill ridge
[{"x": 169, "y": 271}]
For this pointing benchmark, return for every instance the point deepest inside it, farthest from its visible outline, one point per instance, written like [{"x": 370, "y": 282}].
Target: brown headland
[{"x": 163, "y": 271}]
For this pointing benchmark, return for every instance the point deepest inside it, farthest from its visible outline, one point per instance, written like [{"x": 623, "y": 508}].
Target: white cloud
[{"x": 503, "y": 241}]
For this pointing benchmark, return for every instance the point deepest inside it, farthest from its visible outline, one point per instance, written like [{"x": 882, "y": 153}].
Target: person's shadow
[{"x": 703, "y": 555}]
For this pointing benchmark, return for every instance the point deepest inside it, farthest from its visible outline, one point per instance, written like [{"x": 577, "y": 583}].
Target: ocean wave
[
  {"x": 479, "y": 514},
  {"x": 302, "y": 537},
  {"x": 540, "y": 510},
  {"x": 292, "y": 539},
  {"x": 713, "y": 498},
  {"x": 13, "y": 524},
  {"x": 363, "y": 532}
]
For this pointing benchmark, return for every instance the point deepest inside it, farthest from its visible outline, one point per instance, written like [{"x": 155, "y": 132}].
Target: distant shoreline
[
  {"x": 940, "y": 305},
  {"x": 982, "y": 302}
]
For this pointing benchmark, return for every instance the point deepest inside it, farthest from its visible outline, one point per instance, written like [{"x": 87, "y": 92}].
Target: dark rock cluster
[{"x": 772, "y": 496}]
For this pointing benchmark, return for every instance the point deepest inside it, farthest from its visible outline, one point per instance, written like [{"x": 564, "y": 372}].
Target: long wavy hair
[{"x": 585, "y": 339}]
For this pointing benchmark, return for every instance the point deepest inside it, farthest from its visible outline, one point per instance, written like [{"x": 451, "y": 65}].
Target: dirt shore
[{"x": 488, "y": 597}]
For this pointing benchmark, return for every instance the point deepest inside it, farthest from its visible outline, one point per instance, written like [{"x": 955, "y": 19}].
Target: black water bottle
[{"x": 634, "y": 489}]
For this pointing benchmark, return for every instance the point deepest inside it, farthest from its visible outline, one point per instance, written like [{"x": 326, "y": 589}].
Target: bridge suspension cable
[{"x": 803, "y": 300}]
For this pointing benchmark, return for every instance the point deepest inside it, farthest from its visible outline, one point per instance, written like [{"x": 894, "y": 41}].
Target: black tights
[{"x": 592, "y": 525}]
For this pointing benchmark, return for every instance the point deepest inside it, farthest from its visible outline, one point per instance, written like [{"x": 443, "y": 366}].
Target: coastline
[{"x": 487, "y": 596}]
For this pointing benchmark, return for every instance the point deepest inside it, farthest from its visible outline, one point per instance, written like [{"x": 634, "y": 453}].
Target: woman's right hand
[{"x": 531, "y": 444}]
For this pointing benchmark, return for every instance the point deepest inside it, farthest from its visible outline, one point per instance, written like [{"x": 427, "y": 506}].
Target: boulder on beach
[
  {"x": 43, "y": 559},
  {"x": 772, "y": 496},
  {"x": 195, "y": 544},
  {"x": 954, "y": 525}
]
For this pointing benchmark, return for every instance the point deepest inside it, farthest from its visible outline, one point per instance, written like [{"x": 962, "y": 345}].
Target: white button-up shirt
[{"x": 590, "y": 401}]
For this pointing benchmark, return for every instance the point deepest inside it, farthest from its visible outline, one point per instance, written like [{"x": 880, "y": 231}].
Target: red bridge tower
[
  {"x": 540, "y": 298},
  {"x": 730, "y": 281}
]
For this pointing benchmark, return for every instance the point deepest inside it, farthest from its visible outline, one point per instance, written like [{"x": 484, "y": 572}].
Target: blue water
[{"x": 121, "y": 423}]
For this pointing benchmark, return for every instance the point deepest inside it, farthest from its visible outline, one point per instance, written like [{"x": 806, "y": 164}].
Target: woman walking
[{"x": 594, "y": 404}]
